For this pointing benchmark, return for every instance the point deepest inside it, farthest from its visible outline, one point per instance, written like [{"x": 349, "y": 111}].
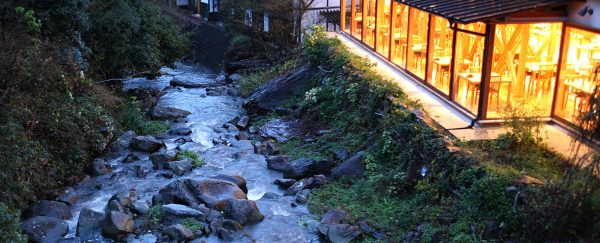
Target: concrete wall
[{"x": 588, "y": 20}]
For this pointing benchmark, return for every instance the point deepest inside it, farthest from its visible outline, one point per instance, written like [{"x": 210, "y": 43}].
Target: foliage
[
  {"x": 251, "y": 81},
  {"x": 414, "y": 183},
  {"x": 154, "y": 215},
  {"x": 133, "y": 119},
  {"x": 9, "y": 225},
  {"x": 196, "y": 160},
  {"x": 521, "y": 118},
  {"x": 247, "y": 18},
  {"x": 192, "y": 224},
  {"x": 131, "y": 36}
]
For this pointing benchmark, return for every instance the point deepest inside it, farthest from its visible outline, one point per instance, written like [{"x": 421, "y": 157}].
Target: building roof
[{"x": 468, "y": 11}]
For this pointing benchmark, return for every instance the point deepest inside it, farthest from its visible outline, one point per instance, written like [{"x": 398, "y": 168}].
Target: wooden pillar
[
  {"x": 342, "y": 15},
  {"x": 352, "y": 17},
  {"x": 488, "y": 53},
  {"x": 522, "y": 69}
]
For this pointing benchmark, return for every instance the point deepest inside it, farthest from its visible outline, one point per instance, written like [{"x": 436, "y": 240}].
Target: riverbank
[{"x": 411, "y": 180}]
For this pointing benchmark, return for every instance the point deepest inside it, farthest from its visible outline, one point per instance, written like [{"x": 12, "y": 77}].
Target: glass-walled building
[{"x": 482, "y": 56}]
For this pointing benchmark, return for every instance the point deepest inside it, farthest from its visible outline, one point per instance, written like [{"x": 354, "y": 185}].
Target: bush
[
  {"x": 9, "y": 226},
  {"x": 196, "y": 160},
  {"x": 133, "y": 119},
  {"x": 414, "y": 183},
  {"x": 251, "y": 81},
  {"x": 131, "y": 36}
]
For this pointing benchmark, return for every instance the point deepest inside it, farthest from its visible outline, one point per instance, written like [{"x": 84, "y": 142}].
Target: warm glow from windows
[{"x": 579, "y": 73}]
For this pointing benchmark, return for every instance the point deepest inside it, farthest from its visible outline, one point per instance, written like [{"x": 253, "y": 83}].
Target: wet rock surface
[
  {"x": 44, "y": 229},
  {"x": 231, "y": 197}
]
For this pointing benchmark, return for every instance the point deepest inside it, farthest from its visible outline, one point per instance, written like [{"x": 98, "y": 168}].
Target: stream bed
[{"x": 211, "y": 105}]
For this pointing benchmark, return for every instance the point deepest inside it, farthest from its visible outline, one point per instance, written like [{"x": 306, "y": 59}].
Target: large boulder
[
  {"x": 122, "y": 142},
  {"x": 69, "y": 196},
  {"x": 243, "y": 211},
  {"x": 279, "y": 129},
  {"x": 276, "y": 92},
  {"x": 168, "y": 113},
  {"x": 100, "y": 167},
  {"x": 175, "y": 192},
  {"x": 331, "y": 226},
  {"x": 178, "y": 233},
  {"x": 146, "y": 144},
  {"x": 278, "y": 163},
  {"x": 177, "y": 213},
  {"x": 353, "y": 167},
  {"x": 190, "y": 83},
  {"x": 236, "y": 179},
  {"x": 44, "y": 229},
  {"x": 179, "y": 167},
  {"x": 54, "y": 209},
  {"x": 306, "y": 183},
  {"x": 180, "y": 131},
  {"x": 118, "y": 225},
  {"x": 163, "y": 156},
  {"x": 306, "y": 167},
  {"x": 214, "y": 193},
  {"x": 89, "y": 221}
]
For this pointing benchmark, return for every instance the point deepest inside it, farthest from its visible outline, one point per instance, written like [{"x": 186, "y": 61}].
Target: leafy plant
[
  {"x": 9, "y": 225},
  {"x": 192, "y": 224},
  {"x": 196, "y": 160},
  {"x": 154, "y": 215},
  {"x": 133, "y": 119}
]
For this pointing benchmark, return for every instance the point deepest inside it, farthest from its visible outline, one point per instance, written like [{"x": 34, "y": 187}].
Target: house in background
[
  {"x": 480, "y": 56},
  {"x": 206, "y": 8}
]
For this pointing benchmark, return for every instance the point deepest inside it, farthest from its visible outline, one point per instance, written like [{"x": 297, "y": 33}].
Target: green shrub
[
  {"x": 192, "y": 224},
  {"x": 131, "y": 36},
  {"x": 154, "y": 215},
  {"x": 251, "y": 81},
  {"x": 196, "y": 160},
  {"x": 133, "y": 119},
  {"x": 9, "y": 226}
]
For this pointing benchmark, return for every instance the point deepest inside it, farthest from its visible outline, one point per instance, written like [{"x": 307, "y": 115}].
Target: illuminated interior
[
  {"x": 369, "y": 11},
  {"x": 468, "y": 64},
  {"x": 346, "y": 12},
  {"x": 383, "y": 27},
  {"x": 450, "y": 58},
  {"x": 356, "y": 24},
  {"x": 399, "y": 34},
  {"x": 417, "y": 42},
  {"x": 440, "y": 54},
  {"x": 524, "y": 66},
  {"x": 579, "y": 73}
]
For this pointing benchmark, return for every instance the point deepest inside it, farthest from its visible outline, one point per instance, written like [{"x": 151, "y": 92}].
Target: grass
[
  {"x": 251, "y": 81},
  {"x": 196, "y": 160},
  {"x": 192, "y": 224},
  {"x": 133, "y": 119},
  {"x": 154, "y": 215}
]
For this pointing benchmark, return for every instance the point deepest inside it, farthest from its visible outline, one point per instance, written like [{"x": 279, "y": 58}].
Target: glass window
[
  {"x": 346, "y": 14},
  {"x": 440, "y": 54},
  {"x": 383, "y": 27},
  {"x": 399, "y": 33},
  {"x": 579, "y": 74},
  {"x": 467, "y": 67},
  {"x": 356, "y": 24},
  {"x": 524, "y": 66},
  {"x": 417, "y": 42},
  {"x": 369, "y": 11}
]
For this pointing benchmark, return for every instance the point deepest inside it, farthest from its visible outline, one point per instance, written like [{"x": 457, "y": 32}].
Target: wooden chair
[
  {"x": 543, "y": 80},
  {"x": 495, "y": 85}
]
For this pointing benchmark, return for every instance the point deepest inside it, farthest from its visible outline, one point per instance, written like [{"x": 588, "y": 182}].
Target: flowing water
[{"x": 282, "y": 223}]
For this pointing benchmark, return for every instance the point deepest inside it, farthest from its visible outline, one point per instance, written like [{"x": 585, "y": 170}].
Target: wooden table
[
  {"x": 442, "y": 63},
  {"x": 474, "y": 81}
]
